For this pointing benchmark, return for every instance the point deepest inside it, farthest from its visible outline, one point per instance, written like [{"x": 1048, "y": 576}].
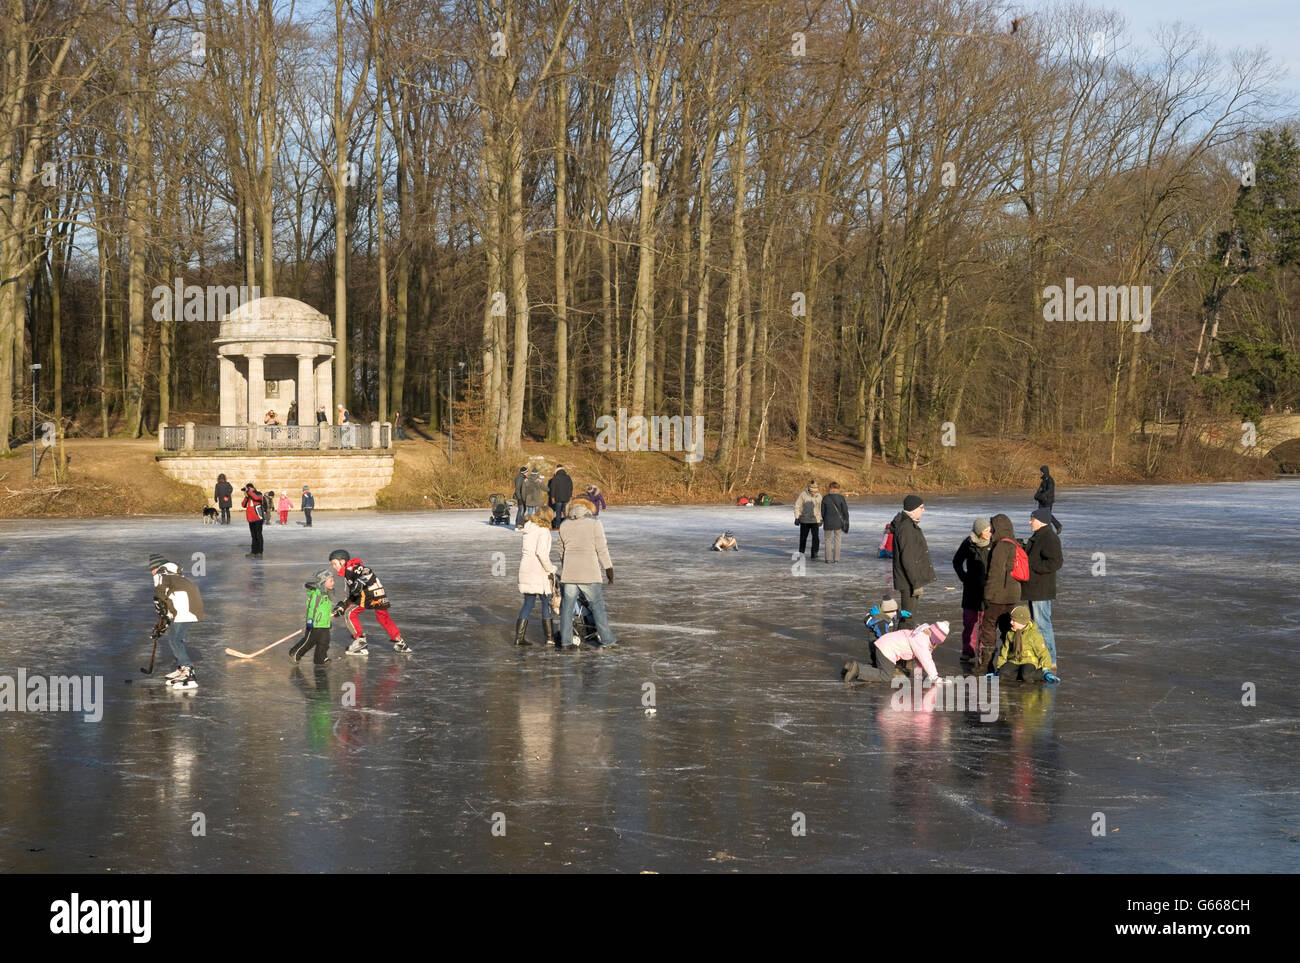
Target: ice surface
[{"x": 752, "y": 724}]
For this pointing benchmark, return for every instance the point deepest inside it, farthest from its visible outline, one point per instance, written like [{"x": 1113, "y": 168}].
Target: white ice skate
[
  {"x": 183, "y": 681},
  {"x": 358, "y": 646}
]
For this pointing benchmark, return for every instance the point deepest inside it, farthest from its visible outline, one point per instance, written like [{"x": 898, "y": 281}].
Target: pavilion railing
[{"x": 355, "y": 436}]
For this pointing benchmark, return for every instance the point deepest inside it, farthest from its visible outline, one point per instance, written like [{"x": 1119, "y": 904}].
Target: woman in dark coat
[{"x": 971, "y": 564}]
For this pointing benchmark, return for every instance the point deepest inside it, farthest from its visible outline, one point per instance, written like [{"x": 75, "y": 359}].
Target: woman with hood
[
  {"x": 971, "y": 563},
  {"x": 1001, "y": 591},
  {"x": 903, "y": 644},
  {"x": 535, "y": 573}
]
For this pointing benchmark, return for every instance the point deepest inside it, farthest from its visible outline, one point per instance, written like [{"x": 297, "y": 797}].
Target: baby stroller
[{"x": 500, "y": 509}]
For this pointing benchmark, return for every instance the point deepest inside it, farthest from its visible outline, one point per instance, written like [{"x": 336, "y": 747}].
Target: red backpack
[{"x": 1020, "y": 569}]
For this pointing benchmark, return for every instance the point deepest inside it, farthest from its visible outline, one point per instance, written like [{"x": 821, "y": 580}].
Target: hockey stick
[
  {"x": 157, "y": 634},
  {"x": 249, "y": 655}
]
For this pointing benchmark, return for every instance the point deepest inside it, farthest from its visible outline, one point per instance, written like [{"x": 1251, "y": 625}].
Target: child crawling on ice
[
  {"x": 1024, "y": 656},
  {"x": 726, "y": 542},
  {"x": 901, "y": 645}
]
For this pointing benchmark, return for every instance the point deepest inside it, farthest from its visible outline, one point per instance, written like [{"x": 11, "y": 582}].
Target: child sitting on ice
[
  {"x": 726, "y": 542},
  {"x": 1024, "y": 653},
  {"x": 902, "y": 644}
]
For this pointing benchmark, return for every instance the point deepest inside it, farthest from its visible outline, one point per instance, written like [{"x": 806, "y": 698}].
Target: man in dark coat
[
  {"x": 221, "y": 495},
  {"x": 560, "y": 488},
  {"x": 1001, "y": 591},
  {"x": 519, "y": 496},
  {"x": 971, "y": 563},
  {"x": 835, "y": 521},
  {"x": 1046, "y": 495},
  {"x": 912, "y": 566},
  {"x": 1045, "y": 560}
]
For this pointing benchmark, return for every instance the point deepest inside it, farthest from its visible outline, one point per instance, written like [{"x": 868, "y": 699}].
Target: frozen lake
[{"x": 752, "y": 727}]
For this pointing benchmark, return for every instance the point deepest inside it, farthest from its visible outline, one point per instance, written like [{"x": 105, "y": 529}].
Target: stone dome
[{"x": 275, "y": 319}]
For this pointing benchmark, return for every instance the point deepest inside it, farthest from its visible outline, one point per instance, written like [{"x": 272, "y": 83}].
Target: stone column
[
  {"x": 325, "y": 387},
  {"x": 306, "y": 390},
  {"x": 229, "y": 391},
  {"x": 189, "y": 436},
  {"x": 256, "y": 390},
  {"x": 162, "y": 433}
]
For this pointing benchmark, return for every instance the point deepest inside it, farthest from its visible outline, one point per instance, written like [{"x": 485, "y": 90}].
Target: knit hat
[
  {"x": 938, "y": 631},
  {"x": 156, "y": 562},
  {"x": 912, "y": 502},
  {"x": 888, "y": 606},
  {"x": 981, "y": 523},
  {"x": 322, "y": 576},
  {"x": 1044, "y": 515},
  {"x": 304, "y": 488},
  {"x": 1021, "y": 614}
]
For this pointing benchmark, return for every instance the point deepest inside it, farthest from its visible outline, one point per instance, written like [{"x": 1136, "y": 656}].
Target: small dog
[{"x": 210, "y": 515}]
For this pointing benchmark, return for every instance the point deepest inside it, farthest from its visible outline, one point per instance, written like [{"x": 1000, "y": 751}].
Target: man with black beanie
[
  {"x": 912, "y": 566},
  {"x": 1045, "y": 559}
]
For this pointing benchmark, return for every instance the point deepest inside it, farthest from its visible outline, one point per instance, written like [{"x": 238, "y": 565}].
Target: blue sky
[{"x": 1274, "y": 24}]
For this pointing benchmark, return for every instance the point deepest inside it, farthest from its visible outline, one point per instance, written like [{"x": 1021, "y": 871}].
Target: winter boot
[
  {"x": 850, "y": 671},
  {"x": 521, "y": 630},
  {"x": 298, "y": 650},
  {"x": 548, "y": 629},
  {"x": 399, "y": 645},
  {"x": 358, "y": 646}
]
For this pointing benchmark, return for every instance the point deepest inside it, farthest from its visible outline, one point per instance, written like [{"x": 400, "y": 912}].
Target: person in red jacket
[
  {"x": 364, "y": 592},
  {"x": 255, "y": 512}
]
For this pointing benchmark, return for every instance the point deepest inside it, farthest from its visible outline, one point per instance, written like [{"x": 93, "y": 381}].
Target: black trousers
[
  {"x": 307, "y": 514},
  {"x": 225, "y": 514},
  {"x": 256, "y": 529},
  {"x": 804, "y": 529}
]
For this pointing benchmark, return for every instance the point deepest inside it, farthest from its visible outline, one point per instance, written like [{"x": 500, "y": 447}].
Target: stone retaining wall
[{"x": 338, "y": 479}]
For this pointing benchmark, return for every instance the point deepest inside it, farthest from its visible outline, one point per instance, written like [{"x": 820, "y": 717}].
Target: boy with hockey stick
[
  {"x": 364, "y": 592},
  {"x": 316, "y": 634},
  {"x": 179, "y": 605}
]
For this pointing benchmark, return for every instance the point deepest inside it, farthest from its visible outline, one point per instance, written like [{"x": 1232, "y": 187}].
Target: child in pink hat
[{"x": 902, "y": 644}]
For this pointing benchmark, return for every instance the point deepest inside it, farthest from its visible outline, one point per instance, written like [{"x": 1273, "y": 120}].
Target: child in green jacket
[
  {"x": 317, "y": 632},
  {"x": 1024, "y": 650}
]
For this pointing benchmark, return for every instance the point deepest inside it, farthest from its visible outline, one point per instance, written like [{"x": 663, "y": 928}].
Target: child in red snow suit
[{"x": 364, "y": 592}]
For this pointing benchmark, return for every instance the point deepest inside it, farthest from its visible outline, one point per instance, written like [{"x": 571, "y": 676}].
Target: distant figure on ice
[
  {"x": 835, "y": 521},
  {"x": 222, "y": 494},
  {"x": 316, "y": 632},
  {"x": 1046, "y": 495},
  {"x": 597, "y": 500},
  {"x": 535, "y": 571},
  {"x": 534, "y": 492},
  {"x": 913, "y": 569},
  {"x": 887, "y": 542},
  {"x": 583, "y": 553},
  {"x": 268, "y": 506},
  {"x": 1045, "y": 560},
  {"x": 520, "y": 478},
  {"x": 971, "y": 563},
  {"x": 308, "y": 502},
  {"x": 255, "y": 513},
  {"x": 902, "y": 645},
  {"x": 1023, "y": 656},
  {"x": 560, "y": 490},
  {"x": 808, "y": 516},
  {"x": 285, "y": 506},
  {"x": 726, "y": 542},
  {"x": 179, "y": 605},
  {"x": 364, "y": 592},
  {"x": 1001, "y": 587}
]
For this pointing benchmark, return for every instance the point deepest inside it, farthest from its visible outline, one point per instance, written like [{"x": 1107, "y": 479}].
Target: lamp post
[{"x": 35, "y": 368}]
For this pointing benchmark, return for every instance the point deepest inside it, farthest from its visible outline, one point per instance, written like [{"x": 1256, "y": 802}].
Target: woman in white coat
[{"x": 535, "y": 571}]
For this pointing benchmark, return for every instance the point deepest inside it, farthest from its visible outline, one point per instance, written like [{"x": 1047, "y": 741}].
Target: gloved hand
[
  {"x": 160, "y": 607},
  {"x": 609, "y": 575},
  {"x": 903, "y": 613},
  {"x": 993, "y": 673},
  {"x": 918, "y": 593},
  {"x": 338, "y": 609},
  {"x": 1051, "y": 678}
]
